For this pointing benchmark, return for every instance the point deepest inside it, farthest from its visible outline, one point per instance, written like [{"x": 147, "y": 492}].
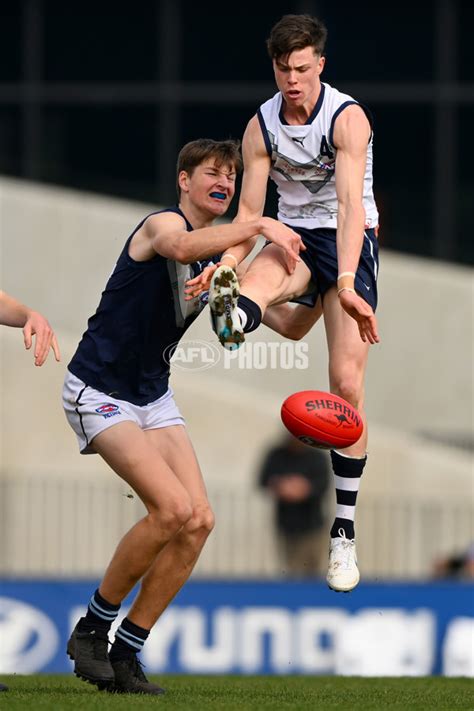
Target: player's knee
[
  {"x": 202, "y": 520},
  {"x": 170, "y": 518},
  {"x": 293, "y": 333},
  {"x": 348, "y": 388},
  {"x": 206, "y": 520},
  {"x": 180, "y": 512}
]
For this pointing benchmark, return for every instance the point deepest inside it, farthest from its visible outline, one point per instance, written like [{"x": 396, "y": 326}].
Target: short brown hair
[
  {"x": 295, "y": 32},
  {"x": 196, "y": 152}
]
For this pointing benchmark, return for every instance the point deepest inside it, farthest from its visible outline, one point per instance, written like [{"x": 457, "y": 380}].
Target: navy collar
[
  {"x": 178, "y": 210},
  {"x": 314, "y": 112}
]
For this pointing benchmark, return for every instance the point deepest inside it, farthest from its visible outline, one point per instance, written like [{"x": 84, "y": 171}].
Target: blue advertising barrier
[{"x": 259, "y": 628}]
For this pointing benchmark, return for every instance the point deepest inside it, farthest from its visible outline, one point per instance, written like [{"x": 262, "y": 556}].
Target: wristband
[
  {"x": 232, "y": 257},
  {"x": 346, "y": 288},
  {"x": 346, "y": 279}
]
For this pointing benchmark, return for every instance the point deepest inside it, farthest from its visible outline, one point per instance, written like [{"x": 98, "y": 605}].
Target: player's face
[
  {"x": 297, "y": 76},
  {"x": 212, "y": 187}
]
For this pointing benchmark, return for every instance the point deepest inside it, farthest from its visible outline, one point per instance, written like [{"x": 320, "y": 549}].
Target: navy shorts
[{"x": 321, "y": 259}]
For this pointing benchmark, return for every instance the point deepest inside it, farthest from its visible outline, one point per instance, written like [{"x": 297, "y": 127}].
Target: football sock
[
  {"x": 100, "y": 614},
  {"x": 129, "y": 639},
  {"x": 250, "y": 314},
  {"x": 347, "y": 474}
]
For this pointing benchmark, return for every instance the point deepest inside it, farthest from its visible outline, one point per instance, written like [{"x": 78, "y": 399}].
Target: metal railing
[{"x": 69, "y": 528}]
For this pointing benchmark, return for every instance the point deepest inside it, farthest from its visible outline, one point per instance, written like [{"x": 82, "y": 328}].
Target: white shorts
[{"x": 90, "y": 412}]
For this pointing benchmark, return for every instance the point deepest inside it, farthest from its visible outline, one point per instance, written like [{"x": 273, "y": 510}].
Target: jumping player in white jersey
[
  {"x": 316, "y": 145},
  {"x": 118, "y": 402}
]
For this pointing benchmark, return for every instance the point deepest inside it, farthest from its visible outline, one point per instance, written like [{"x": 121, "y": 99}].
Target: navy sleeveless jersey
[{"x": 142, "y": 314}]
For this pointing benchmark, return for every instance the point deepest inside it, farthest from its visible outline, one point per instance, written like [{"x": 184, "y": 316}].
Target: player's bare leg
[
  {"x": 171, "y": 567},
  {"x": 347, "y": 364},
  {"x": 133, "y": 457},
  {"x": 265, "y": 282},
  {"x": 174, "y": 564},
  {"x": 130, "y": 453}
]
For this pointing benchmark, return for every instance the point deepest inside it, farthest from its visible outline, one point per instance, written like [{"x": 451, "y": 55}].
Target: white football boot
[
  {"x": 223, "y": 297},
  {"x": 343, "y": 573}
]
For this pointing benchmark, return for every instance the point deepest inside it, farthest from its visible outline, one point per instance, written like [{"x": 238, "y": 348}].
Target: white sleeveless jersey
[{"x": 304, "y": 160}]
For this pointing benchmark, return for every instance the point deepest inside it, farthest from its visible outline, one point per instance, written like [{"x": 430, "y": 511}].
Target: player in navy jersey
[
  {"x": 316, "y": 145},
  {"x": 118, "y": 401}
]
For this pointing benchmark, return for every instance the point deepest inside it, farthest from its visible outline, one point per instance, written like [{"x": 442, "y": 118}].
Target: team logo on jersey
[
  {"x": 108, "y": 409},
  {"x": 313, "y": 174},
  {"x": 324, "y": 165},
  {"x": 324, "y": 148}
]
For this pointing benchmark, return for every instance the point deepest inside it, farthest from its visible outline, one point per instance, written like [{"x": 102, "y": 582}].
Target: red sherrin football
[{"x": 321, "y": 419}]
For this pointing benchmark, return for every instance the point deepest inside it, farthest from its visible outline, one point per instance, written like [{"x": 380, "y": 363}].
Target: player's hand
[
  {"x": 194, "y": 287},
  {"x": 287, "y": 239},
  {"x": 36, "y": 325},
  {"x": 362, "y": 312}
]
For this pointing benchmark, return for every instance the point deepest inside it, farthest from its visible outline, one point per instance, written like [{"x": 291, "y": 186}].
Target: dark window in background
[
  {"x": 105, "y": 149},
  {"x": 99, "y": 41},
  {"x": 403, "y": 170},
  {"x": 215, "y": 121},
  {"x": 223, "y": 44},
  {"x": 465, "y": 41},
  {"x": 383, "y": 43},
  {"x": 375, "y": 45},
  {"x": 465, "y": 187},
  {"x": 10, "y": 45},
  {"x": 271, "y": 202},
  {"x": 10, "y": 140}
]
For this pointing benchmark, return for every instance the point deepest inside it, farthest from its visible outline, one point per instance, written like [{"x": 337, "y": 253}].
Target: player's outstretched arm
[
  {"x": 166, "y": 234},
  {"x": 194, "y": 287},
  {"x": 351, "y": 137},
  {"x": 34, "y": 325}
]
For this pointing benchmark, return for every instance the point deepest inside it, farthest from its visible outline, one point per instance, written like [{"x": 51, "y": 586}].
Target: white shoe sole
[
  {"x": 223, "y": 298},
  {"x": 343, "y": 587}
]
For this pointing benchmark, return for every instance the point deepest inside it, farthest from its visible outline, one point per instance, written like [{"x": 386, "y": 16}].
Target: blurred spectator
[
  {"x": 458, "y": 565},
  {"x": 297, "y": 476}
]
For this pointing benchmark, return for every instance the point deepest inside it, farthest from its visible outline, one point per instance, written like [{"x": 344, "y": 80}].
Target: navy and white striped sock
[
  {"x": 347, "y": 474},
  {"x": 250, "y": 314},
  {"x": 129, "y": 639},
  {"x": 100, "y": 614}
]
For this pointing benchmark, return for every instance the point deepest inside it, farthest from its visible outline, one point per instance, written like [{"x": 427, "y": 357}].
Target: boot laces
[
  {"x": 347, "y": 547},
  {"x": 137, "y": 669},
  {"x": 100, "y": 644}
]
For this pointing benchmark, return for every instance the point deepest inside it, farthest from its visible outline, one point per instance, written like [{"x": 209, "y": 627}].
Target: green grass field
[{"x": 245, "y": 693}]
